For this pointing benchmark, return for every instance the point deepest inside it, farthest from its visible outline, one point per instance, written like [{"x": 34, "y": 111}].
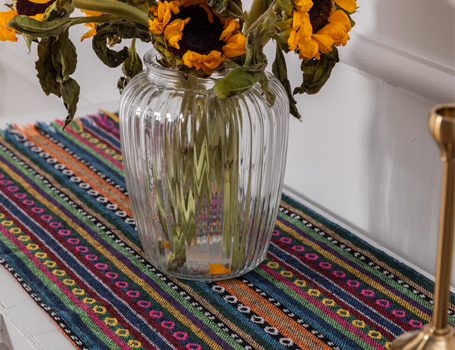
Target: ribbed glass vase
[{"x": 204, "y": 175}]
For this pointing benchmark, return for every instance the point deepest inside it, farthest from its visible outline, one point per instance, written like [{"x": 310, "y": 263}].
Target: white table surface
[{"x": 23, "y": 325}]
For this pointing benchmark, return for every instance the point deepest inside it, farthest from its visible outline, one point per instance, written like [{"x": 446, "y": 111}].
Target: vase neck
[{"x": 160, "y": 74}]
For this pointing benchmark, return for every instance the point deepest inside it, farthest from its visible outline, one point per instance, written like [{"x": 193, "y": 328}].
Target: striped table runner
[{"x": 69, "y": 238}]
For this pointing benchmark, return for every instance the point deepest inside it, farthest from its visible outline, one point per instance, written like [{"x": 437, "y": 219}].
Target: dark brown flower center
[
  {"x": 319, "y": 14},
  {"x": 27, "y": 8},
  {"x": 199, "y": 35}
]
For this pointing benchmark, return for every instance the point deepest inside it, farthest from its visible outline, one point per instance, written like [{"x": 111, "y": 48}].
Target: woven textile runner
[{"x": 69, "y": 238}]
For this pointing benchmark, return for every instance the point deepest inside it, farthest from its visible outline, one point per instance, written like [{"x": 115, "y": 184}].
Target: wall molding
[{"x": 397, "y": 67}]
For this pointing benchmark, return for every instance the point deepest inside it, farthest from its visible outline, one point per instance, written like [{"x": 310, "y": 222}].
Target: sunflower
[
  {"x": 32, "y": 8},
  {"x": 196, "y": 33},
  {"x": 318, "y": 25}
]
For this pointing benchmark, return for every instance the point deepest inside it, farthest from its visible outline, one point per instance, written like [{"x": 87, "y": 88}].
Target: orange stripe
[
  {"x": 275, "y": 317},
  {"x": 105, "y": 189}
]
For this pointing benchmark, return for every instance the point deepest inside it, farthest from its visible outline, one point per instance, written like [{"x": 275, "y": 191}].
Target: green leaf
[
  {"x": 64, "y": 57},
  {"x": 59, "y": 8},
  {"x": 254, "y": 46},
  {"x": 32, "y": 27},
  {"x": 124, "y": 11},
  {"x": 70, "y": 95},
  {"x": 317, "y": 72},
  {"x": 280, "y": 71},
  {"x": 56, "y": 61},
  {"x": 117, "y": 29},
  {"x": 284, "y": 9},
  {"x": 270, "y": 97},
  {"x": 28, "y": 40},
  {"x": 227, "y": 8},
  {"x": 236, "y": 82},
  {"x": 47, "y": 74},
  {"x": 131, "y": 67}
]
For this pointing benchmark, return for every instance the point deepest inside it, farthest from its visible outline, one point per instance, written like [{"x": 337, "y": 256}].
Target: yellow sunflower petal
[
  {"x": 303, "y": 5},
  {"x": 325, "y": 42},
  {"x": 192, "y": 59},
  {"x": 174, "y": 7},
  {"x": 91, "y": 32},
  {"x": 230, "y": 26},
  {"x": 92, "y": 13},
  {"x": 235, "y": 46},
  {"x": 162, "y": 16},
  {"x": 7, "y": 34},
  {"x": 39, "y": 1},
  {"x": 164, "y": 12},
  {"x": 299, "y": 19},
  {"x": 173, "y": 32},
  {"x": 340, "y": 17},
  {"x": 305, "y": 28},
  {"x": 156, "y": 26},
  {"x": 348, "y": 5},
  {"x": 309, "y": 49},
  {"x": 204, "y": 62},
  {"x": 293, "y": 39},
  {"x": 213, "y": 60},
  {"x": 337, "y": 31}
]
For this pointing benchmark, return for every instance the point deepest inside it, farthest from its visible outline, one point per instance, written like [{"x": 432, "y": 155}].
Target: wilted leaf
[
  {"x": 280, "y": 71},
  {"x": 270, "y": 97},
  {"x": 64, "y": 57},
  {"x": 47, "y": 74},
  {"x": 131, "y": 67},
  {"x": 227, "y": 8},
  {"x": 236, "y": 82},
  {"x": 59, "y": 8},
  {"x": 317, "y": 72},
  {"x": 122, "y": 29},
  {"x": 37, "y": 29},
  {"x": 70, "y": 95}
]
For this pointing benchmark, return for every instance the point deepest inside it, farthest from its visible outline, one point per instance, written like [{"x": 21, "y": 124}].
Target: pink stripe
[
  {"x": 323, "y": 308},
  {"x": 97, "y": 150},
  {"x": 94, "y": 317}
]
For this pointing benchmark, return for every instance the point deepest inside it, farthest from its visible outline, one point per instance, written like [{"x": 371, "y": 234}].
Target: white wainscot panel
[{"x": 364, "y": 154}]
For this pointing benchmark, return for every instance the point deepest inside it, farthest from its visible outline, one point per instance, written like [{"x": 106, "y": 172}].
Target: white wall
[{"x": 363, "y": 151}]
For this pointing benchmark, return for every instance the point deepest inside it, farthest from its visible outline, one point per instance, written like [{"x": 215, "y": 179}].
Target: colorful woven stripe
[{"x": 69, "y": 238}]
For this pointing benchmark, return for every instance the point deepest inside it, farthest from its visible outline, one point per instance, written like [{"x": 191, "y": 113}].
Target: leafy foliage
[
  {"x": 116, "y": 29},
  {"x": 227, "y": 8},
  {"x": 280, "y": 71},
  {"x": 57, "y": 60},
  {"x": 317, "y": 72}
]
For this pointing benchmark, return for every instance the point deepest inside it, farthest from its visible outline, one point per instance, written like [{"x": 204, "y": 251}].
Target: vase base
[{"x": 206, "y": 277}]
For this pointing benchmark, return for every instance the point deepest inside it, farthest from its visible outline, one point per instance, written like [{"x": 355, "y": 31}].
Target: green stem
[
  {"x": 95, "y": 19},
  {"x": 256, "y": 10},
  {"x": 120, "y": 9},
  {"x": 270, "y": 13}
]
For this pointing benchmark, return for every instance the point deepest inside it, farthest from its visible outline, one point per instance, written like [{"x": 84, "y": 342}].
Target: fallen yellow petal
[{"x": 218, "y": 269}]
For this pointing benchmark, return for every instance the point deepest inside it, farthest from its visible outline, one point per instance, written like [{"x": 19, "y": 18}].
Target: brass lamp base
[{"x": 426, "y": 338}]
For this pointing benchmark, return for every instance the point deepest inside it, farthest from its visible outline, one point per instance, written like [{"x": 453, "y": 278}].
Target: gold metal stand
[{"x": 439, "y": 335}]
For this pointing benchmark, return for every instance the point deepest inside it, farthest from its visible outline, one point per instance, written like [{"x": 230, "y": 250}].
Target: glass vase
[{"x": 204, "y": 175}]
